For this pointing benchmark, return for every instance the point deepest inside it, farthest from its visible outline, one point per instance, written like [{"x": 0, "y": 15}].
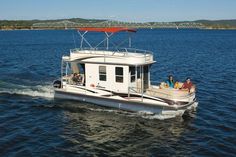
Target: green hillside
[
  {"x": 79, "y": 22},
  {"x": 27, "y": 24},
  {"x": 218, "y": 23}
]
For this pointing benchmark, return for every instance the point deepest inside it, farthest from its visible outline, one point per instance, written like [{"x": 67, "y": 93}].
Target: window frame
[
  {"x": 101, "y": 73},
  {"x": 119, "y": 77}
]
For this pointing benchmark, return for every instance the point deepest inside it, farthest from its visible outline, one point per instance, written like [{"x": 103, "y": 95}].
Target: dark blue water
[{"x": 32, "y": 123}]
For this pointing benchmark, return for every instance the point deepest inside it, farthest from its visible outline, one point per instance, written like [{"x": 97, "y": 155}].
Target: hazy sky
[{"x": 122, "y": 10}]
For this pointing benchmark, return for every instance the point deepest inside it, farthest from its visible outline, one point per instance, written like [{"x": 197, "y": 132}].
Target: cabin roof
[{"x": 110, "y": 57}]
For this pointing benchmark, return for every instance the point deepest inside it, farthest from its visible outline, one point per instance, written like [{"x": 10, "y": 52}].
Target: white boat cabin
[{"x": 115, "y": 71}]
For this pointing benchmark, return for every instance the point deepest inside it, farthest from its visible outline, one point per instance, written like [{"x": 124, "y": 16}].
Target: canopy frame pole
[
  {"x": 107, "y": 38},
  {"x": 108, "y": 32},
  {"x": 84, "y": 39},
  {"x": 130, "y": 42},
  {"x": 122, "y": 42}
]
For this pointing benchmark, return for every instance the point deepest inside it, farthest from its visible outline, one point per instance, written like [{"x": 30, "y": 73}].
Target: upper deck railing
[
  {"x": 98, "y": 50},
  {"x": 161, "y": 93},
  {"x": 127, "y": 52}
]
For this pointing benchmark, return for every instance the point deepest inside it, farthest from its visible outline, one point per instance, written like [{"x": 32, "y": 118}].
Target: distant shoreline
[{"x": 74, "y": 23}]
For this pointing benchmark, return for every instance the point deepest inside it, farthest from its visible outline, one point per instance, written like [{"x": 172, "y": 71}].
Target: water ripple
[{"x": 33, "y": 124}]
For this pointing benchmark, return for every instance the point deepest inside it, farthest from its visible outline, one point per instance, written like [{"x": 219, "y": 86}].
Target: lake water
[{"x": 32, "y": 123}]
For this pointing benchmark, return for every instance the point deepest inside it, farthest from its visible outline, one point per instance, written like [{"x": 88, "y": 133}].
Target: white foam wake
[
  {"x": 159, "y": 116},
  {"x": 45, "y": 91},
  {"x": 143, "y": 114}
]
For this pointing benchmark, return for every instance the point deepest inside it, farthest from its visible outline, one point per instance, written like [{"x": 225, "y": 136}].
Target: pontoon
[{"x": 118, "y": 78}]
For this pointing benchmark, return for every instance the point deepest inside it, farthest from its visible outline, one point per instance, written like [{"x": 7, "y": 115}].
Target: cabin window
[
  {"x": 119, "y": 74},
  {"x": 132, "y": 74},
  {"x": 102, "y": 73}
]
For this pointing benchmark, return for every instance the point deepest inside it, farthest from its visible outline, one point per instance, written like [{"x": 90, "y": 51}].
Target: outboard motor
[{"x": 57, "y": 84}]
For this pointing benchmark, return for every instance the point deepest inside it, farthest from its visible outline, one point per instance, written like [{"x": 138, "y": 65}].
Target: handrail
[
  {"x": 119, "y": 50},
  {"x": 169, "y": 96},
  {"x": 148, "y": 55}
]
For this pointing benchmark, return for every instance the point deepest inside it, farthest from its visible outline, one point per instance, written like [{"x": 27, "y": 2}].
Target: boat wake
[
  {"x": 159, "y": 116},
  {"x": 142, "y": 114},
  {"x": 45, "y": 91}
]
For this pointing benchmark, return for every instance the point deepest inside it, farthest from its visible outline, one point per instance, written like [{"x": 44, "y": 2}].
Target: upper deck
[{"x": 124, "y": 56}]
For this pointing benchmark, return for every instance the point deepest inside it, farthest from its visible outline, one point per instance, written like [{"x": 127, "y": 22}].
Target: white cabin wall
[
  {"x": 91, "y": 74},
  {"x": 92, "y": 77},
  {"x": 120, "y": 87}
]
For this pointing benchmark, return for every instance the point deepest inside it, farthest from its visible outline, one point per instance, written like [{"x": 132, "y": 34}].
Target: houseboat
[{"x": 118, "y": 78}]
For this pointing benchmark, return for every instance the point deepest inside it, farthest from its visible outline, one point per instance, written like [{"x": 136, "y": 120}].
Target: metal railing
[
  {"x": 148, "y": 55},
  {"x": 112, "y": 49},
  {"x": 154, "y": 92},
  {"x": 132, "y": 90}
]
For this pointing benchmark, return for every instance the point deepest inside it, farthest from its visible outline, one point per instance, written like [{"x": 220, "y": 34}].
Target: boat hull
[{"x": 128, "y": 105}]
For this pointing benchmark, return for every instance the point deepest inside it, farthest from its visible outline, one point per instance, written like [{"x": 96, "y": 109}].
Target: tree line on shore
[{"x": 78, "y": 22}]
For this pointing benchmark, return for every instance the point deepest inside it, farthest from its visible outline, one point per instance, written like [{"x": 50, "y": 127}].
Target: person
[
  {"x": 75, "y": 78},
  {"x": 170, "y": 82},
  {"x": 187, "y": 85},
  {"x": 80, "y": 79},
  {"x": 177, "y": 84}
]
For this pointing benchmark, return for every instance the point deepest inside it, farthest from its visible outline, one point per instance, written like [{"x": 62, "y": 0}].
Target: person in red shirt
[{"x": 187, "y": 85}]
